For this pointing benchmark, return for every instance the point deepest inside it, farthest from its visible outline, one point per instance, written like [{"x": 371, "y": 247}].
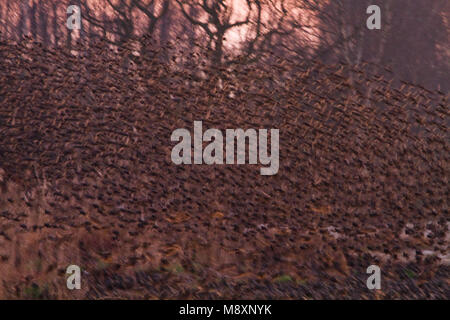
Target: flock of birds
[{"x": 86, "y": 178}]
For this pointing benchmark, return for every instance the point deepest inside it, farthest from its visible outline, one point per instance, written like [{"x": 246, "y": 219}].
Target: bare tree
[
  {"x": 33, "y": 23},
  {"x": 166, "y": 22},
  {"x": 55, "y": 25},
  {"x": 43, "y": 24},
  {"x": 408, "y": 45},
  {"x": 121, "y": 24},
  {"x": 278, "y": 32},
  {"x": 3, "y": 26},
  {"x": 218, "y": 21},
  {"x": 21, "y": 25}
]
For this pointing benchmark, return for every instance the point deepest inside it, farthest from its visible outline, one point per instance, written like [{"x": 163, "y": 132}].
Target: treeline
[{"x": 413, "y": 40}]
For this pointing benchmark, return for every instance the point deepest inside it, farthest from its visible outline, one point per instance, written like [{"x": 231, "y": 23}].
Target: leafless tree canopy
[{"x": 413, "y": 41}]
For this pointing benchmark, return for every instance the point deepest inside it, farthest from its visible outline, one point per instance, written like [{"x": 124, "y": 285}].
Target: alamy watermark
[
  {"x": 374, "y": 281},
  {"x": 74, "y": 278},
  {"x": 74, "y": 20},
  {"x": 374, "y": 20},
  {"x": 213, "y": 152}
]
